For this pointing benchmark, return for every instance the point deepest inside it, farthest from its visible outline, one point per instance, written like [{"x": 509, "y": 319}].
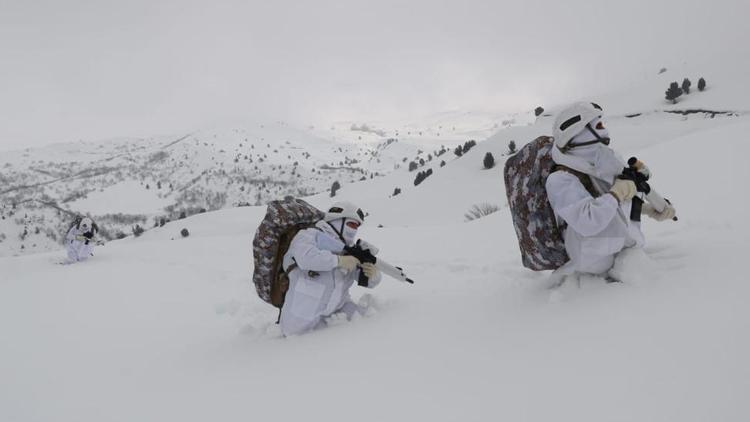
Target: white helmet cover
[
  {"x": 573, "y": 120},
  {"x": 345, "y": 210},
  {"x": 86, "y": 223}
]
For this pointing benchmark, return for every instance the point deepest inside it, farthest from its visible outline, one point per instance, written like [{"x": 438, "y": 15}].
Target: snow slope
[
  {"x": 169, "y": 328},
  {"x": 124, "y": 182},
  {"x": 161, "y": 329}
]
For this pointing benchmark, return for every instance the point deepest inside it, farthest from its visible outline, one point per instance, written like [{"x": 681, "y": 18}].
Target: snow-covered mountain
[
  {"x": 161, "y": 327},
  {"x": 124, "y": 183}
]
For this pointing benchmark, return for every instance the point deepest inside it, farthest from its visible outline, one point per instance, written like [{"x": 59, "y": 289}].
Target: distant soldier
[{"x": 80, "y": 240}]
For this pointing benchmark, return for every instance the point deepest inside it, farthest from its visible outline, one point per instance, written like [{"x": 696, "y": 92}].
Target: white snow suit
[
  {"x": 597, "y": 227},
  {"x": 79, "y": 248},
  {"x": 317, "y": 287}
]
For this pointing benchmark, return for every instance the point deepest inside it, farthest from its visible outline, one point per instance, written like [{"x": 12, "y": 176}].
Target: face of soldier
[{"x": 350, "y": 231}]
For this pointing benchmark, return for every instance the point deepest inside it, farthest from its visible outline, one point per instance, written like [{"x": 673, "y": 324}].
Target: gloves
[
  {"x": 668, "y": 213},
  {"x": 370, "y": 270},
  {"x": 644, "y": 170},
  {"x": 623, "y": 190},
  {"x": 348, "y": 263}
]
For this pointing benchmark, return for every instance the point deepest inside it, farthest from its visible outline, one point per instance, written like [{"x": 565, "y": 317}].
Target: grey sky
[{"x": 94, "y": 69}]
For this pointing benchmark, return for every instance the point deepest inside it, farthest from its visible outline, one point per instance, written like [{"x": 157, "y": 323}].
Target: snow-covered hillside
[
  {"x": 122, "y": 183},
  {"x": 168, "y": 328}
]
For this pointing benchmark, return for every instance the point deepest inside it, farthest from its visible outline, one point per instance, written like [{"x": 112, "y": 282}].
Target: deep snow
[{"x": 166, "y": 328}]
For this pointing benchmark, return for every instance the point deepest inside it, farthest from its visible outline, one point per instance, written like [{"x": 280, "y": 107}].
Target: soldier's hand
[{"x": 348, "y": 263}]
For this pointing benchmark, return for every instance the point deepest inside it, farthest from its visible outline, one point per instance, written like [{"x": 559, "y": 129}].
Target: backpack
[
  {"x": 539, "y": 237},
  {"x": 283, "y": 220}
]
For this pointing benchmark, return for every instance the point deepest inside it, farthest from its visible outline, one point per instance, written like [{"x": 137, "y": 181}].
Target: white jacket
[
  {"x": 317, "y": 287},
  {"x": 597, "y": 228},
  {"x": 78, "y": 250}
]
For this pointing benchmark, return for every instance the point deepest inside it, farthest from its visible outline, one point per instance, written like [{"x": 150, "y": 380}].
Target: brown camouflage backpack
[
  {"x": 539, "y": 237},
  {"x": 282, "y": 222}
]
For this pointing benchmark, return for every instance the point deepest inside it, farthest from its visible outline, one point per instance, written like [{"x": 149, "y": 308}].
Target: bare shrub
[{"x": 480, "y": 210}]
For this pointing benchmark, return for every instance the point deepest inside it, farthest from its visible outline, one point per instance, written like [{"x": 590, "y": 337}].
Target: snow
[
  {"x": 128, "y": 197},
  {"x": 162, "y": 327}
]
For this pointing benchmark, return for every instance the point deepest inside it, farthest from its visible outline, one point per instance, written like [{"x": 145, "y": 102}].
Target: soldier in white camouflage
[{"x": 586, "y": 194}]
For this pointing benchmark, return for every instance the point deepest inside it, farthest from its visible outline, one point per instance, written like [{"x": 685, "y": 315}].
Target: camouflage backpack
[
  {"x": 539, "y": 237},
  {"x": 282, "y": 222}
]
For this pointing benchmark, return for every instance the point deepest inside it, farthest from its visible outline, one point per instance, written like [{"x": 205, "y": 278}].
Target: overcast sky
[{"x": 72, "y": 69}]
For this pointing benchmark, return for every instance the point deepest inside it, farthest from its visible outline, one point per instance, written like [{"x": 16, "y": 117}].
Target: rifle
[
  {"x": 637, "y": 172},
  {"x": 365, "y": 253}
]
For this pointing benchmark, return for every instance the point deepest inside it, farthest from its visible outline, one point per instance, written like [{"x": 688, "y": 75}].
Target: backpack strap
[
  {"x": 584, "y": 178},
  {"x": 291, "y": 267}
]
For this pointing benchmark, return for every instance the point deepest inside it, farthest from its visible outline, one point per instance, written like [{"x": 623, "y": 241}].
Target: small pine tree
[
  {"x": 421, "y": 176},
  {"x": 673, "y": 92},
  {"x": 334, "y": 187},
  {"x": 511, "y": 147},
  {"x": 469, "y": 145},
  {"x": 413, "y": 166},
  {"x": 686, "y": 86},
  {"x": 489, "y": 161},
  {"x": 137, "y": 230},
  {"x": 184, "y": 233},
  {"x": 442, "y": 163},
  {"x": 459, "y": 151},
  {"x": 701, "y": 84},
  {"x": 396, "y": 191},
  {"x": 538, "y": 111}
]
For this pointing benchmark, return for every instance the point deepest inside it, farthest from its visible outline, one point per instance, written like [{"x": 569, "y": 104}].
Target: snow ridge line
[{"x": 177, "y": 141}]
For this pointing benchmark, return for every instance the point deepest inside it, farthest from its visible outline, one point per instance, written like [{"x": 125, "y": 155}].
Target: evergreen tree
[
  {"x": 469, "y": 145},
  {"x": 511, "y": 147},
  {"x": 421, "y": 176},
  {"x": 538, "y": 111},
  {"x": 701, "y": 84},
  {"x": 334, "y": 187},
  {"x": 489, "y": 161},
  {"x": 686, "y": 86},
  {"x": 673, "y": 92}
]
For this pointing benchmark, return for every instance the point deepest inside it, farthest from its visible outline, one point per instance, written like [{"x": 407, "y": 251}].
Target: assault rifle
[
  {"x": 365, "y": 253},
  {"x": 638, "y": 173},
  {"x": 88, "y": 238}
]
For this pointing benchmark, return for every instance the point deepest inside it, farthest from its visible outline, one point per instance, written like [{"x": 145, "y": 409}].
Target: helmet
[
  {"x": 573, "y": 120},
  {"x": 86, "y": 223},
  {"x": 345, "y": 210}
]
